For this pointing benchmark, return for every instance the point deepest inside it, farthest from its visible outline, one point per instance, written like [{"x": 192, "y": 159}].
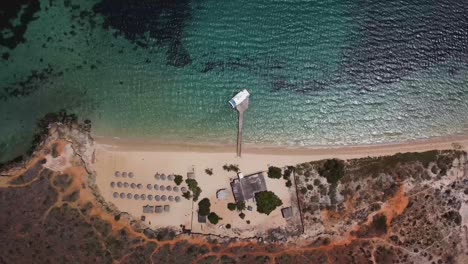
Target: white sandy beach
[{"x": 147, "y": 158}]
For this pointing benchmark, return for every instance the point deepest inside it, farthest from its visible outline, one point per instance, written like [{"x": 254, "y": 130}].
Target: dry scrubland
[{"x": 397, "y": 209}]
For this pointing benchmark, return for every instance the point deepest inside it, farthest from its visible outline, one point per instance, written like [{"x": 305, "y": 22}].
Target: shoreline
[{"x": 351, "y": 151}]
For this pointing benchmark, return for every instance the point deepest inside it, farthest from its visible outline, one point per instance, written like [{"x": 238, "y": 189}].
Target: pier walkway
[{"x": 241, "y": 108}]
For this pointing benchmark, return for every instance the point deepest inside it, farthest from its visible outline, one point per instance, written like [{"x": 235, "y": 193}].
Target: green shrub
[
  {"x": 332, "y": 170},
  {"x": 231, "y": 167},
  {"x": 187, "y": 195},
  {"x": 193, "y": 186},
  {"x": 310, "y": 187},
  {"x": 274, "y": 172},
  {"x": 248, "y": 222},
  {"x": 178, "y": 179},
  {"x": 303, "y": 190},
  {"x": 204, "y": 207},
  {"x": 209, "y": 171},
  {"x": 288, "y": 183},
  {"x": 231, "y": 206},
  {"x": 240, "y": 206},
  {"x": 228, "y": 226},
  {"x": 267, "y": 201},
  {"x": 242, "y": 215},
  {"x": 214, "y": 218}
]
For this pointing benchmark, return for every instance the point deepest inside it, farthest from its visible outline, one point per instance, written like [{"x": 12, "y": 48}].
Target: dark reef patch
[
  {"x": 30, "y": 84},
  {"x": 394, "y": 39},
  {"x": 15, "y": 17},
  {"x": 162, "y": 20}
]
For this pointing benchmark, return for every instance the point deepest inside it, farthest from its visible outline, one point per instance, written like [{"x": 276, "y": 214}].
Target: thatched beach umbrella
[
  {"x": 157, "y": 198},
  {"x": 170, "y": 198},
  {"x": 139, "y": 186},
  {"x": 169, "y": 188},
  {"x": 122, "y": 195},
  {"x": 119, "y": 184},
  {"x": 170, "y": 177},
  {"x": 112, "y": 184},
  {"x": 124, "y": 174},
  {"x": 149, "y": 186},
  {"x": 177, "y": 199},
  {"x": 166, "y": 208},
  {"x": 131, "y": 175},
  {"x": 115, "y": 195},
  {"x": 143, "y": 197},
  {"x": 175, "y": 189},
  {"x": 126, "y": 184},
  {"x": 133, "y": 185},
  {"x": 150, "y": 197},
  {"x": 157, "y": 177},
  {"x": 163, "y": 198},
  {"x": 183, "y": 189},
  {"x": 129, "y": 196},
  {"x": 156, "y": 187},
  {"x": 136, "y": 196},
  {"x": 162, "y": 188},
  {"x": 163, "y": 177},
  {"x": 117, "y": 174}
]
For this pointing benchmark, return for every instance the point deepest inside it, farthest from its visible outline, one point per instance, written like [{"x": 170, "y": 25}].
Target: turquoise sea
[{"x": 320, "y": 73}]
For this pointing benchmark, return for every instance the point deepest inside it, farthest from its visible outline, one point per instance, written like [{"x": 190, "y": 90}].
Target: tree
[
  {"x": 214, "y": 218},
  {"x": 228, "y": 226},
  {"x": 240, "y": 206},
  {"x": 231, "y": 167},
  {"x": 178, "y": 179},
  {"x": 333, "y": 170},
  {"x": 209, "y": 171},
  {"x": 187, "y": 195},
  {"x": 231, "y": 206},
  {"x": 204, "y": 207},
  {"x": 288, "y": 183},
  {"x": 267, "y": 201},
  {"x": 242, "y": 215},
  {"x": 274, "y": 172},
  {"x": 193, "y": 186}
]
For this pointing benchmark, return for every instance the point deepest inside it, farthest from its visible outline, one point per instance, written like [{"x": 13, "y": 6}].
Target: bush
[
  {"x": 187, "y": 195},
  {"x": 231, "y": 206},
  {"x": 204, "y": 207},
  {"x": 288, "y": 183},
  {"x": 240, "y": 206},
  {"x": 303, "y": 190},
  {"x": 274, "y": 172},
  {"x": 248, "y": 222},
  {"x": 228, "y": 226},
  {"x": 242, "y": 215},
  {"x": 287, "y": 172},
  {"x": 214, "y": 218},
  {"x": 267, "y": 201},
  {"x": 332, "y": 170},
  {"x": 209, "y": 171},
  {"x": 231, "y": 167},
  {"x": 193, "y": 186},
  {"x": 310, "y": 187},
  {"x": 178, "y": 179}
]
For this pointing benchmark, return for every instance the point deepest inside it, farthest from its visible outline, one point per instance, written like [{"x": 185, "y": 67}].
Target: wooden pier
[{"x": 241, "y": 108}]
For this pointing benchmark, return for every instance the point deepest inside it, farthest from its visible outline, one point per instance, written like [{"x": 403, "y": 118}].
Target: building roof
[
  {"x": 201, "y": 218},
  {"x": 245, "y": 188},
  {"x": 158, "y": 209},
  {"x": 148, "y": 209},
  {"x": 286, "y": 212}
]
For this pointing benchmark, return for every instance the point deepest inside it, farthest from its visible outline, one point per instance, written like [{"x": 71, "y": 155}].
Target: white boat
[{"x": 239, "y": 98}]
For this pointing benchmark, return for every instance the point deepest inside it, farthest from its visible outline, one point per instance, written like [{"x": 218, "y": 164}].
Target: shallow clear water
[{"x": 320, "y": 72}]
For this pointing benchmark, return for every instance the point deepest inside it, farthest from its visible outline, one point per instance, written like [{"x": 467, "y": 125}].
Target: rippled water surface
[{"x": 320, "y": 72}]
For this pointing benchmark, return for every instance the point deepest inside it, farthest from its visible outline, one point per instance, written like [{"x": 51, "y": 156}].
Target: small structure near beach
[
  {"x": 244, "y": 188},
  {"x": 147, "y": 209},
  {"x": 287, "y": 212},
  {"x": 222, "y": 194}
]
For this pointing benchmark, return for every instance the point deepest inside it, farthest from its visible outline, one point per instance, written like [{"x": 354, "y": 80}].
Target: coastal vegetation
[
  {"x": 204, "y": 207},
  {"x": 209, "y": 171},
  {"x": 194, "y": 188},
  {"x": 231, "y": 167},
  {"x": 178, "y": 179},
  {"x": 333, "y": 170},
  {"x": 240, "y": 206},
  {"x": 274, "y": 172},
  {"x": 267, "y": 202},
  {"x": 231, "y": 206},
  {"x": 214, "y": 218}
]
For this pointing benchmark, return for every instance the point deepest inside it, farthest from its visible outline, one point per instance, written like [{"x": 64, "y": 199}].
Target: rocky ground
[{"x": 407, "y": 208}]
